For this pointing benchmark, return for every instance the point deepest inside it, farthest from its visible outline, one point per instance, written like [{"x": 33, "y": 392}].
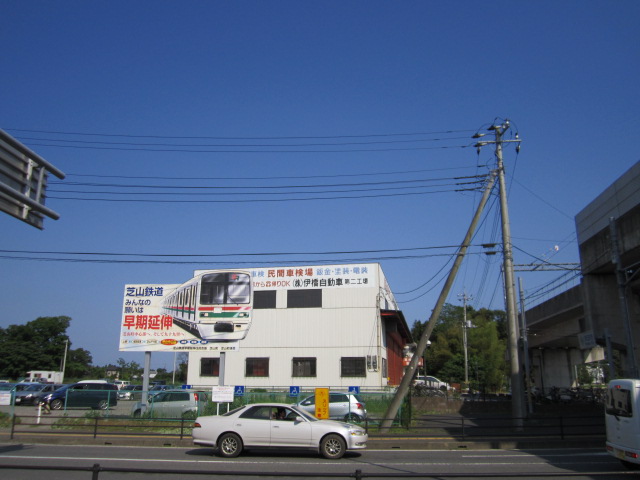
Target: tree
[
  {"x": 37, "y": 345},
  {"x": 78, "y": 364},
  {"x": 129, "y": 370},
  {"x": 486, "y": 344}
]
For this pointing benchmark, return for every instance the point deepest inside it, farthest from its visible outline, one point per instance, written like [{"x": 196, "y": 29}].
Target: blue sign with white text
[
  {"x": 238, "y": 391},
  {"x": 294, "y": 391},
  {"x": 354, "y": 390}
]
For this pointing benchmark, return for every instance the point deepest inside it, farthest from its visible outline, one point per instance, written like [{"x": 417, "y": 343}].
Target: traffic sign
[
  {"x": 294, "y": 391},
  {"x": 355, "y": 390},
  {"x": 239, "y": 391}
]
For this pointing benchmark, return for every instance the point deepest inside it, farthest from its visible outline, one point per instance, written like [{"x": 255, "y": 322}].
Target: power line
[
  {"x": 127, "y": 135},
  {"x": 291, "y": 177}
]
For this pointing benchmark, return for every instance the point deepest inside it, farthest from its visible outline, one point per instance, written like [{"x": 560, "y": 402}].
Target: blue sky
[{"x": 272, "y": 94}]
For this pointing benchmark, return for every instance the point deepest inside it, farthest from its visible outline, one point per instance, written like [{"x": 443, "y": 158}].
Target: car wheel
[
  {"x": 229, "y": 445},
  {"x": 56, "y": 404},
  {"x": 137, "y": 414},
  {"x": 352, "y": 418},
  {"x": 333, "y": 447},
  {"x": 103, "y": 404}
]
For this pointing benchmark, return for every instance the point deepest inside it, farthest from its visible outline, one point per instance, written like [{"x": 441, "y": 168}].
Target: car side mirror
[{"x": 299, "y": 419}]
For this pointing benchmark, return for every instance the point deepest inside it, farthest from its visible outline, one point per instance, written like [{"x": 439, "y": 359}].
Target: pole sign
[
  {"x": 222, "y": 394},
  {"x": 294, "y": 391},
  {"x": 322, "y": 403},
  {"x": 239, "y": 391}
]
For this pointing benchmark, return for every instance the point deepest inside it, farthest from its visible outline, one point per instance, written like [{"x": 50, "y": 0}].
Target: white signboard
[
  {"x": 222, "y": 394},
  {"x": 323, "y": 276}
]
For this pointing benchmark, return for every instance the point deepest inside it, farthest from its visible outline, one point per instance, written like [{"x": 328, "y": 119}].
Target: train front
[{"x": 225, "y": 305}]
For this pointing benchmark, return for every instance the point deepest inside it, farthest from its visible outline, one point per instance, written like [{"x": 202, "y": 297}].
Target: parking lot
[{"x": 122, "y": 409}]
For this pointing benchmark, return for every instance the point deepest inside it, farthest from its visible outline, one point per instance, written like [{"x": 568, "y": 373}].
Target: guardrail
[
  {"x": 97, "y": 425},
  {"x": 427, "y": 426}
]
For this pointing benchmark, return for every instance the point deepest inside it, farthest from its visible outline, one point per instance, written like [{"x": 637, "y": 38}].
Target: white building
[{"x": 314, "y": 326}]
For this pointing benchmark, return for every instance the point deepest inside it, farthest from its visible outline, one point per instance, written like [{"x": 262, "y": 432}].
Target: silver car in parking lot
[
  {"x": 278, "y": 425},
  {"x": 342, "y": 406},
  {"x": 180, "y": 403}
]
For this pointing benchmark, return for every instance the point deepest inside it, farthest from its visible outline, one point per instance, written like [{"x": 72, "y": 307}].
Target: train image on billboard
[{"x": 215, "y": 305}]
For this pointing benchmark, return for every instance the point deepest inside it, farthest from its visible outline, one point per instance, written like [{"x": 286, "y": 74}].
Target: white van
[
  {"x": 121, "y": 383},
  {"x": 622, "y": 420}
]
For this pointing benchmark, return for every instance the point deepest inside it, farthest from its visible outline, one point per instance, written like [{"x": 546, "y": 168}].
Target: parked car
[
  {"x": 431, "y": 382},
  {"x": 161, "y": 388},
  {"x": 121, "y": 383},
  {"x": 342, "y": 406},
  {"x": 173, "y": 404},
  {"x": 276, "y": 425},
  {"x": 88, "y": 393},
  {"x": 130, "y": 392},
  {"x": 19, "y": 387},
  {"x": 32, "y": 394}
]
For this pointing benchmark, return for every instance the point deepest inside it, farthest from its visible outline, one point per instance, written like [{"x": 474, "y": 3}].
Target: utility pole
[
  {"x": 465, "y": 325},
  {"x": 525, "y": 347},
  {"x": 403, "y": 388},
  {"x": 517, "y": 399}
]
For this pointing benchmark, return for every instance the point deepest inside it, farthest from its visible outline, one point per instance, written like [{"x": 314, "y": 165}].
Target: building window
[
  {"x": 264, "y": 299},
  {"x": 257, "y": 367},
  {"x": 210, "y": 367},
  {"x": 385, "y": 372},
  {"x": 304, "y": 367},
  {"x": 353, "y": 367},
  {"x": 306, "y": 298}
]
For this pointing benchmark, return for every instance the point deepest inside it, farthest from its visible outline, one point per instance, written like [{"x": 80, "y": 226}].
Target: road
[{"x": 164, "y": 462}]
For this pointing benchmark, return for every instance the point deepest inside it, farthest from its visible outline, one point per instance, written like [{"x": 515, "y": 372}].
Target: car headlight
[{"x": 357, "y": 433}]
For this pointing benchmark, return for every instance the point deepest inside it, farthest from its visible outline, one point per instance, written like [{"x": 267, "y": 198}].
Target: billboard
[{"x": 210, "y": 312}]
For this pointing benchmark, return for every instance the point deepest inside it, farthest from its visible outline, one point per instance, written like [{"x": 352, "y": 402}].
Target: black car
[{"x": 92, "y": 394}]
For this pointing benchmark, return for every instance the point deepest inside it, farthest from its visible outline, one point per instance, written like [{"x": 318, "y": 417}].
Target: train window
[{"x": 225, "y": 288}]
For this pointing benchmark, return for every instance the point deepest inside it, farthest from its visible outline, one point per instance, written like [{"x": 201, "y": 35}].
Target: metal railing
[{"x": 425, "y": 426}]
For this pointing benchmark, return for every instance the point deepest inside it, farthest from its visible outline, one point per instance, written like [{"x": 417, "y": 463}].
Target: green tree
[
  {"x": 486, "y": 343},
  {"x": 37, "y": 345},
  {"x": 78, "y": 364},
  {"x": 129, "y": 370}
]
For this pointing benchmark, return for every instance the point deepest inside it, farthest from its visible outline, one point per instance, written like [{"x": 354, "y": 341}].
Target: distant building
[{"x": 324, "y": 325}]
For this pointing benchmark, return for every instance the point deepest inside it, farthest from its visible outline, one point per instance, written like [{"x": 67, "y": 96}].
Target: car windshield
[
  {"x": 304, "y": 414},
  {"x": 34, "y": 388}
]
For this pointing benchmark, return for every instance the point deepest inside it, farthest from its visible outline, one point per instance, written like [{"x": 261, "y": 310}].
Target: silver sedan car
[{"x": 276, "y": 425}]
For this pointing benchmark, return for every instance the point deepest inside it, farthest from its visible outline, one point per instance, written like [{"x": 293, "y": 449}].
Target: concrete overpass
[{"x": 600, "y": 318}]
